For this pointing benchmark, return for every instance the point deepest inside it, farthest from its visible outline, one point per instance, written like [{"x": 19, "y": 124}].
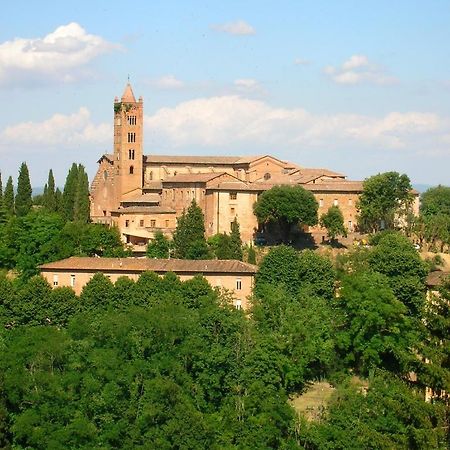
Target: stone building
[
  {"x": 145, "y": 193},
  {"x": 236, "y": 277}
]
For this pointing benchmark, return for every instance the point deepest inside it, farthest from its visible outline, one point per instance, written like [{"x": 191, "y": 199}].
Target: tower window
[
  {"x": 131, "y": 170},
  {"x": 130, "y": 154},
  {"x": 131, "y": 137},
  {"x": 131, "y": 120}
]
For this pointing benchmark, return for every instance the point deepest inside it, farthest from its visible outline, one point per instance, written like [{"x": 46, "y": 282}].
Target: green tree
[
  {"x": 159, "y": 246},
  {"x": 251, "y": 255},
  {"x": 333, "y": 221},
  {"x": 385, "y": 202},
  {"x": 435, "y": 201},
  {"x": 375, "y": 329},
  {"x": 8, "y": 197},
  {"x": 286, "y": 206},
  {"x": 235, "y": 241},
  {"x": 386, "y": 414},
  {"x": 49, "y": 199},
  {"x": 2, "y": 203},
  {"x": 395, "y": 257},
  {"x": 70, "y": 192},
  {"x": 23, "y": 201},
  {"x": 59, "y": 201},
  {"x": 81, "y": 207},
  {"x": 189, "y": 237},
  {"x": 97, "y": 293}
]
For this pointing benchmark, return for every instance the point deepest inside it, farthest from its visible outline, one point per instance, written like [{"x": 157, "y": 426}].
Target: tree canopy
[
  {"x": 23, "y": 200},
  {"x": 384, "y": 202},
  {"x": 333, "y": 221},
  {"x": 286, "y": 206}
]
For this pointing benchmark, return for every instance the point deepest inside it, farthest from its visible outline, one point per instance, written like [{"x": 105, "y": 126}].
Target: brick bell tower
[{"x": 128, "y": 153}]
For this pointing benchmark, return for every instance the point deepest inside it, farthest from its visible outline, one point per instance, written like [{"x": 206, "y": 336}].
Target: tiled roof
[
  {"x": 144, "y": 210},
  {"x": 144, "y": 198},
  {"x": 193, "y": 177},
  {"x": 155, "y": 265},
  {"x": 317, "y": 172},
  {"x": 108, "y": 156},
  {"x": 153, "y": 185},
  {"x": 206, "y": 160},
  {"x": 335, "y": 186}
]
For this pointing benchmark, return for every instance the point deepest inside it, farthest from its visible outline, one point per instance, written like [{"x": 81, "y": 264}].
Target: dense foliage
[
  {"x": 189, "y": 237},
  {"x": 286, "y": 206},
  {"x": 333, "y": 221},
  {"x": 384, "y": 202}
]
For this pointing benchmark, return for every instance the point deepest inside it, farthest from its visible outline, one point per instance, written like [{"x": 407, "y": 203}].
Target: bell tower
[{"x": 128, "y": 152}]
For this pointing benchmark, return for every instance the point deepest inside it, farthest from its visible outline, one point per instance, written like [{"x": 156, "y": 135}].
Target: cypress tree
[
  {"x": 81, "y": 205},
  {"x": 58, "y": 201},
  {"x": 49, "y": 193},
  {"x": 235, "y": 241},
  {"x": 8, "y": 198},
  {"x": 24, "y": 199},
  {"x": 2, "y": 204},
  {"x": 70, "y": 192},
  {"x": 251, "y": 255},
  {"x": 189, "y": 237}
]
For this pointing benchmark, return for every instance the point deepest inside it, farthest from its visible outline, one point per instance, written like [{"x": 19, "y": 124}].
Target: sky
[{"x": 359, "y": 87}]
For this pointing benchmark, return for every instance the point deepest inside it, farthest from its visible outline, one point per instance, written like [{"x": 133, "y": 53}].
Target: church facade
[{"x": 142, "y": 194}]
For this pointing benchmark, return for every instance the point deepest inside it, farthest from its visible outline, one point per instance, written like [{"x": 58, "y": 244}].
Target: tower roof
[{"x": 128, "y": 96}]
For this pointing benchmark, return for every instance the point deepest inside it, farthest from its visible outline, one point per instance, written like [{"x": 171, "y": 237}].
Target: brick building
[{"x": 144, "y": 193}]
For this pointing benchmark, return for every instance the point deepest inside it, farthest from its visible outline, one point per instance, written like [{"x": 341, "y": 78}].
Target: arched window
[
  {"x": 130, "y": 154},
  {"x": 267, "y": 176},
  {"x": 131, "y": 170}
]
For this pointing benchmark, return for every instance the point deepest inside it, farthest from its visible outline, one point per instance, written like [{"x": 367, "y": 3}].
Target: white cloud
[
  {"x": 358, "y": 69},
  {"x": 233, "y": 122},
  {"x": 59, "y": 130},
  {"x": 59, "y": 55},
  {"x": 237, "y": 28},
  {"x": 248, "y": 86},
  {"x": 168, "y": 82}
]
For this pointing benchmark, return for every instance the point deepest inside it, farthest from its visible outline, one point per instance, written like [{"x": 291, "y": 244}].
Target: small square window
[
  {"x": 55, "y": 280},
  {"x": 127, "y": 223},
  {"x": 335, "y": 202},
  {"x": 152, "y": 223},
  {"x": 350, "y": 202},
  {"x": 233, "y": 195},
  {"x": 141, "y": 223},
  {"x": 232, "y": 210},
  {"x": 72, "y": 280},
  {"x": 321, "y": 202}
]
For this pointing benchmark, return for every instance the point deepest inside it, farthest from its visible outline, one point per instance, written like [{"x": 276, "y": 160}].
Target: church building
[{"x": 143, "y": 193}]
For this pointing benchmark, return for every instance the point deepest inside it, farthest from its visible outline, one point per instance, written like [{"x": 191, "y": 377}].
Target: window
[
  {"x": 167, "y": 224},
  {"x": 238, "y": 284},
  {"x": 127, "y": 223},
  {"x": 141, "y": 223},
  {"x": 350, "y": 202},
  {"x": 350, "y": 225},
  {"x": 105, "y": 175},
  {"x": 150, "y": 175},
  {"x": 131, "y": 137},
  {"x": 321, "y": 202},
  {"x": 131, "y": 170},
  {"x": 130, "y": 154},
  {"x": 267, "y": 176},
  {"x": 55, "y": 280},
  {"x": 72, "y": 280},
  {"x": 232, "y": 210},
  {"x": 335, "y": 202},
  {"x": 231, "y": 226},
  {"x": 152, "y": 223},
  {"x": 131, "y": 120},
  {"x": 238, "y": 304},
  {"x": 233, "y": 195}
]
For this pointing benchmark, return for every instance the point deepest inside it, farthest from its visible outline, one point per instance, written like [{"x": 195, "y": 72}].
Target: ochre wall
[{"x": 220, "y": 280}]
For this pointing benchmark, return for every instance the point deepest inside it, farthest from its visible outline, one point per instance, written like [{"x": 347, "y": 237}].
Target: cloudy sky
[{"x": 357, "y": 87}]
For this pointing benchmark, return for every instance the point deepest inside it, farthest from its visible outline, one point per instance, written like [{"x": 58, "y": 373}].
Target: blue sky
[{"x": 357, "y": 87}]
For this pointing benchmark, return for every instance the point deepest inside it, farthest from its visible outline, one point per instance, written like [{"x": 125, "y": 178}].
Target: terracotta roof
[
  {"x": 317, "y": 172},
  {"x": 155, "y": 265},
  {"x": 336, "y": 186},
  {"x": 144, "y": 210},
  {"x": 108, "y": 156},
  {"x": 193, "y": 177},
  {"x": 229, "y": 186},
  {"x": 128, "y": 95},
  {"x": 153, "y": 185},
  {"x": 205, "y": 160},
  {"x": 436, "y": 277},
  {"x": 144, "y": 198}
]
